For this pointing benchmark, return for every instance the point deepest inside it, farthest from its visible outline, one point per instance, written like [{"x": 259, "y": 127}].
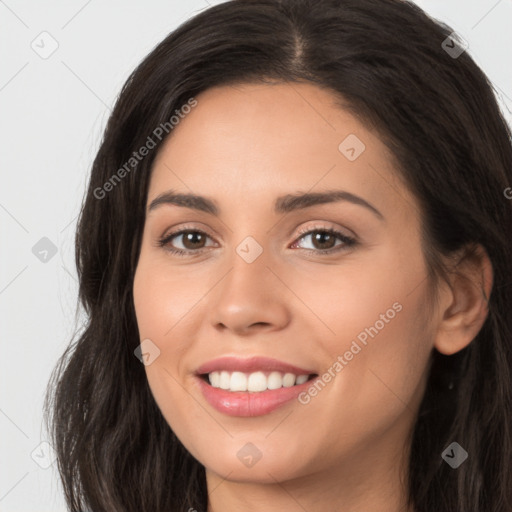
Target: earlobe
[{"x": 466, "y": 304}]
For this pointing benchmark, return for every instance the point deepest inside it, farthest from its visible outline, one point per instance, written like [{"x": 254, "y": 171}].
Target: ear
[{"x": 464, "y": 301}]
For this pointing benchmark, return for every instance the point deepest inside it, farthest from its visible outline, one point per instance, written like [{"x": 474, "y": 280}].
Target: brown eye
[
  {"x": 324, "y": 241},
  {"x": 192, "y": 241}
]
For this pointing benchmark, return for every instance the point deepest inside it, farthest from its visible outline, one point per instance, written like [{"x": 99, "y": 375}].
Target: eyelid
[
  {"x": 179, "y": 230},
  {"x": 307, "y": 229},
  {"x": 325, "y": 225},
  {"x": 172, "y": 232},
  {"x": 348, "y": 240}
]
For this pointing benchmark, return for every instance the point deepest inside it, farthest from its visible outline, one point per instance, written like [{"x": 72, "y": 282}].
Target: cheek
[
  {"x": 385, "y": 380},
  {"x": 378, "y": 325},
  {"x": 162, "y": 300},
  {"x": 165, "y": 297},
  {"x": 363, "y": 298}
]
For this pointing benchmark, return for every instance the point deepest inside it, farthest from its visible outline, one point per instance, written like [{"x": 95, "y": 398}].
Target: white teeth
[
  {"x": 275, "y": 380},
  {"x": 238, "y": 382},
  {"x": 288, "y": 380},
  {"x": 215, "y": 379},
  {"x": 254, "y": 382},
  {"x": 257, "y": 382},
  {"x": 301, "y": 379},
  {"x": 224, "y": 381}
]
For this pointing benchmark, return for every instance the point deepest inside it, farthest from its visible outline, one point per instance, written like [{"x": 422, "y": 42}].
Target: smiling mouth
[{"x": 254, "y": 382}]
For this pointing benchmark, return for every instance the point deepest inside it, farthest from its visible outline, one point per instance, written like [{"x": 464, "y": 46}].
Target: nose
[{"x": 250, "y": 298}]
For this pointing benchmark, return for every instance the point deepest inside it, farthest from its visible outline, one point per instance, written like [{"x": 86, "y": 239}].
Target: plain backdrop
[{"x": 54, "y": 107}]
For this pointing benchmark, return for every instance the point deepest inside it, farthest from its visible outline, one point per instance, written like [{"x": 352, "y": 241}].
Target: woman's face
[{"x": 254, "y": 282}]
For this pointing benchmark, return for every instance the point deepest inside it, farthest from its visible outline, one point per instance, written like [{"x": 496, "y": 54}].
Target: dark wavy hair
[{"x": 389, "y": 63}]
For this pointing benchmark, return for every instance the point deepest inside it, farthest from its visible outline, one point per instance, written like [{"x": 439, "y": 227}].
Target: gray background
[{"x": 53, "y": 111}]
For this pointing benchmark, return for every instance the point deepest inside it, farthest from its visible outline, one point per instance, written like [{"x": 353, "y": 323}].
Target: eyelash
[{"x": 347, "y": 241}]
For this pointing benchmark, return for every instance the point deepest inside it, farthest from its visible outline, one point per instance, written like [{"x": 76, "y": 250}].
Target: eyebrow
[{"x": 283, "y": 204}]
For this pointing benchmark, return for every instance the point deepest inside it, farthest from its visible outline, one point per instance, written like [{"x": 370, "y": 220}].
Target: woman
[{"x": 298, "y": 223}]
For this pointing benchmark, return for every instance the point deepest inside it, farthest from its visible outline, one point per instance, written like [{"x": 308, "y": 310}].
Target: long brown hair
[{"x": 439, "y": 117}]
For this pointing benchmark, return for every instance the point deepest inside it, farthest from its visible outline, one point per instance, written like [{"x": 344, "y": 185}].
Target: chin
[
  {"x": 263, "y": 472},
  {"x": 241, "y": 461}
]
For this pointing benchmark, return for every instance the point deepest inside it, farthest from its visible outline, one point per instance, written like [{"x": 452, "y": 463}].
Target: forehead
[{"x": 254, "y": 141}]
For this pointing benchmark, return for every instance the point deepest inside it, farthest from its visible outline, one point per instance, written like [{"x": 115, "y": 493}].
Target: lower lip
[{"x": 249, "y": 404}]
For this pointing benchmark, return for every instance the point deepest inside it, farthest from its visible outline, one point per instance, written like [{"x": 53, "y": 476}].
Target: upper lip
[{"x": 249, "y": 365}]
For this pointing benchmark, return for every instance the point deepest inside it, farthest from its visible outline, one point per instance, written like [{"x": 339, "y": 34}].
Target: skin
[{"x": 347, "y": 448}]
